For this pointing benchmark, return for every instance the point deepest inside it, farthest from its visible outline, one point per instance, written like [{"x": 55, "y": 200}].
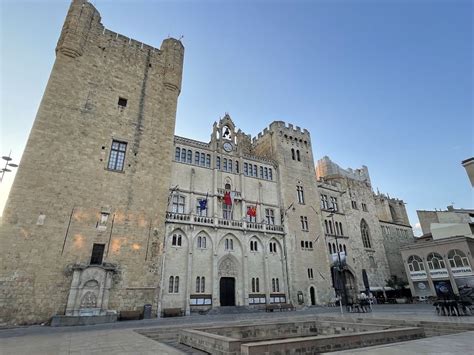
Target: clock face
[{"x": 228, "y": 146}]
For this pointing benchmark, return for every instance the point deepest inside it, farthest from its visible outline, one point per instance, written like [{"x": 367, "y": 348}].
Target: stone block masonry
[{"x": 103, "y": 87}]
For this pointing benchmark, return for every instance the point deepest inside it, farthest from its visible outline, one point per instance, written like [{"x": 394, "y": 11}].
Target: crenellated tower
[
  {"x": 83, "y": 226},
  {"x": 290, "y": 146}
]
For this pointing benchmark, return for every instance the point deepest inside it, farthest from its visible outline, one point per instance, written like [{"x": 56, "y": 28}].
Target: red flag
[
  {"x": 252, "y": 211},
  {"x": 227, "y": 198}
]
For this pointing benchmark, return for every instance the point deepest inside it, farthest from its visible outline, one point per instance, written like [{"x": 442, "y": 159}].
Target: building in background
[
  {"x": 469, "y": 166},
  {"x": 370, "y": 227},
  {"x": 440, "y": 262}
]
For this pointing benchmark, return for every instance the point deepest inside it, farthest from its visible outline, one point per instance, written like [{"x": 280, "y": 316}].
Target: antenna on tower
[{"x": 180, "y": 38}]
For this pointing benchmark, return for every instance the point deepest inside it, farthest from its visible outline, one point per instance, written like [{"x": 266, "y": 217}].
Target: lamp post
[
  {"x": 340, "y": 267},
  {"x": 7, "y": 159}
]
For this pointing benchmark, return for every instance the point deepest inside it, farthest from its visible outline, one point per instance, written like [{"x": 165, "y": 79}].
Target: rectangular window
[
  {"x": 270, "y": 216},
  {"x": 97, "y": 254},
  {"x": 226, "y": 211},
  {"x": 246, "y": 169},
  {"x": 178, "y": 204},
  {"x": 300, "y": 192},
  {"x": 199, "y": 211},
  {"x": 304, "y": 223},
  {"x": 122, "y": 102},
  {"x": 117, "y": 155},
  {"x": 334, "y": 204}
]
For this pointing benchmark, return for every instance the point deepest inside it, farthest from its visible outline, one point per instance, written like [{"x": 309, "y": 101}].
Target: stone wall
[{"x": 63, "y": 184}]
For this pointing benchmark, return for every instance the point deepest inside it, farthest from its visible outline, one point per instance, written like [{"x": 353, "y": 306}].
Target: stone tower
[
  {"x": 307, "y": 260},
  {"x": 83, "y": 226}
]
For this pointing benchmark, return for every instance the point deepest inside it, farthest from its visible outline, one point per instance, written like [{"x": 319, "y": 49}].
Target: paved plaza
[{"x": 121, "y": 337}]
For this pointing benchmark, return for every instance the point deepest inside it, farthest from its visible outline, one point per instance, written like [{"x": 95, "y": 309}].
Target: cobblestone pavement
[{"x": 119, "y": 338}]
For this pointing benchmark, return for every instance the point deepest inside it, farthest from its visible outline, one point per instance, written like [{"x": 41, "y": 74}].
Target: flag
[
  {"x": 252, "y": 211},
  {"x": 227, "y": 198}
]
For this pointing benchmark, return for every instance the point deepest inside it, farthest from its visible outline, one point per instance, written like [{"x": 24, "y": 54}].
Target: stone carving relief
[
  {"x": 227, "y": 268},
  {"x": 89, "y": 300}
]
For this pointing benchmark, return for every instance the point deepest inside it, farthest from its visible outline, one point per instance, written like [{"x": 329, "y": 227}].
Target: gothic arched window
[{"x": 364, "y": 230}]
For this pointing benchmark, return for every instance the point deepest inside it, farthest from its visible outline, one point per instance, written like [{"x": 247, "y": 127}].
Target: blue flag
[{"x": 203, "y": 204}]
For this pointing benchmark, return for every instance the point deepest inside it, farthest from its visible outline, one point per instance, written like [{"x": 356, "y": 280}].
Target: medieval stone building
[{"x": 110, "y": 210}]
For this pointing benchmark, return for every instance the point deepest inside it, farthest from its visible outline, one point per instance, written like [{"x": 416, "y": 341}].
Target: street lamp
[
  {"x": 340, "y": 266},
  {"x": 7, "y": 159}
]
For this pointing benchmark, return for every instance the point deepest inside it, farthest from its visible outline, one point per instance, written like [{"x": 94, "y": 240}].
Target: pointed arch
[{"x": 365, "y": 233}]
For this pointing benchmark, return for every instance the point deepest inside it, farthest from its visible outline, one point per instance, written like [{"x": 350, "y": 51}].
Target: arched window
[
  {"x": 330, "y": 248},
  {"x": 208, "y": 161},
  {"x": 178, "y": 154},
  {"x": 218, "y": 163},
  {"x": 435, "y": 261},
  {"x": 171, "y": 285},
  {"x": 236, "y": 166},
  {"x": 229, "y": 244},
  {"x": 457, "y": 258},
  {"x": 415, "y": 263},
  {"x": 203, "y": 284},
  {"x": 224, "y": 164},
  {"x": 183, "y": 155},
  {"x": 326, "y": 226},
  {"x": 336, "y": 225},
  {"x": 277, "y": 285},
  {"x": 298, "y": 155},
  {"x": 345, "y": 250},
  {"x": 292, "y": 154},
  {"x": 190, "y": 156},
  {"x": 203, "y": 159},
  {"x": 198, "y": 284},
  {"x": 334, "y": 250},
  {"x": 340, "y": 228},
  {"x": 176, "y": 284},
  {"x": 196, "y": 158},
  {"x": 364, "y": 229},
  {"x": 270, "y": 174},
  {"x": 330, "y": 227},
  {"x": 273, "y": 285},
  {"x": 227, "y": 186},
  {"x": 230, "y": 165},
  {"x": 257, "y": 285}
]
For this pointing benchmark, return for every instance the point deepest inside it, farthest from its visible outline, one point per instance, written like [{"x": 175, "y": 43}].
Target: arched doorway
[
  {"x": 312, "y": 295},
  {"x": 227, "y": 291}
]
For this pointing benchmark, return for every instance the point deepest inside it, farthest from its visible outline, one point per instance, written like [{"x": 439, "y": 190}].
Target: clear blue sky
[{"x": 387, "y": 84}]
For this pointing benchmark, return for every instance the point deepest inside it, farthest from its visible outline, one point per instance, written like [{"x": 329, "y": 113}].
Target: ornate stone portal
[{"x": 89, "y": 292}]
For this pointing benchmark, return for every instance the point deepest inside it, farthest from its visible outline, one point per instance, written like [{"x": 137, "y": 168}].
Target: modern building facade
[
  {"x": 127, "y": 214},
  {"x": 440, "y": 263}
]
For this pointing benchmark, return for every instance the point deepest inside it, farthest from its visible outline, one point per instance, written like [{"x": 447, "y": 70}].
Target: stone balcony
[
  {"x": 237, "y": 194},
  {"x": 222, "y": 223}
]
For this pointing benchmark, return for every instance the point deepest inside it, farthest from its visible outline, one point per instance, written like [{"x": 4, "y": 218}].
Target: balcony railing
[
  {"x": 237, "y": 194},
  {"x": 221, "y": 222}
]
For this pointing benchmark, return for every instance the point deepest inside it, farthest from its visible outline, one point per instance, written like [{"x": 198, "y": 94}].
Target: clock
[{"x": 228, "y": 146}]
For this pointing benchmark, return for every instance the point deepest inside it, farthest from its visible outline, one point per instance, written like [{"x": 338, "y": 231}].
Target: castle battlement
[
  {"x": 288, "y": 130},
  {"x": 326, "y": 168}
]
